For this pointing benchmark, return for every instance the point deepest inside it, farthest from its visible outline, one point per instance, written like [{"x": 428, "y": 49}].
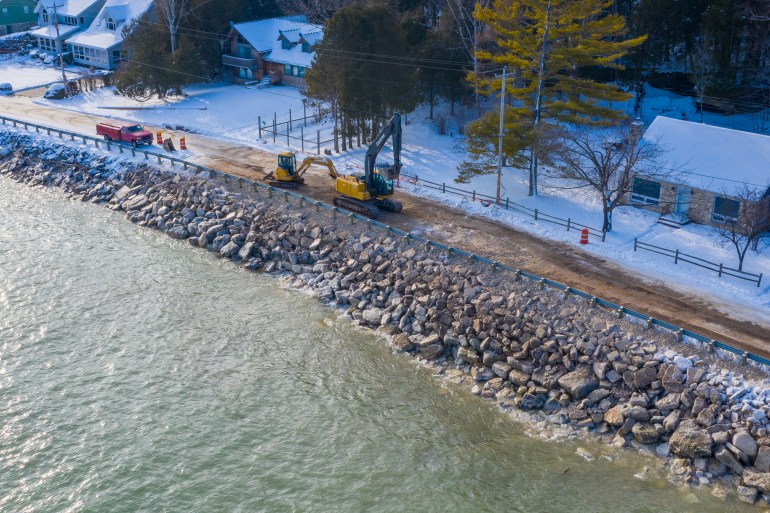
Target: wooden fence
[
  {"x": 718, "y": 268},
  {"x": 506, "y": 203}
]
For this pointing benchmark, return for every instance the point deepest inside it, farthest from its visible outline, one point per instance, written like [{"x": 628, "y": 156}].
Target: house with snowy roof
[
  {"x": 73, "y": 16},
  {"x": 100, "y": 45},
  {"x": 275, "y": 49},
  {"x": 710, "y": 168}
]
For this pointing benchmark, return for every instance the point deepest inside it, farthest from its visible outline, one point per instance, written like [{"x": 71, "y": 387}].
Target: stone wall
[{"x": 509, "y": 341}]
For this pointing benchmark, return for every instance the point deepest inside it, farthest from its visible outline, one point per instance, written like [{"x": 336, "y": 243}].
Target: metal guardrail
[
  {"x": 619, "y": 310},
  {"x": 505, "y": 203},
  {"x": 678, "y": 256}
]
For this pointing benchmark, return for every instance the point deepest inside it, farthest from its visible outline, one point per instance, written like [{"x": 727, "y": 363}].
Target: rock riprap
[{"x": 511, "y": 341}]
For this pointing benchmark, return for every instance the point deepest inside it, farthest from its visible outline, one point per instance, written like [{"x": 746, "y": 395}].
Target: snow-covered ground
[
  {"x": 232, "y": 113},
  {"x": 25, "y": 72}
]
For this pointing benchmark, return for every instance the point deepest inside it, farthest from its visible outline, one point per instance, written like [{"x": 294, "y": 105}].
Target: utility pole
[
  {"x": 500, "y": 142},
  {"x": 59, "y": 48}
]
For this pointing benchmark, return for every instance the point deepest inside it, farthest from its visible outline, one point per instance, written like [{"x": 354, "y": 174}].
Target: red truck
[{"x": 134, "y": 134}]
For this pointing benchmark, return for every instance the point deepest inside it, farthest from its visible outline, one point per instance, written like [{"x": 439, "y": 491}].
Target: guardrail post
[
  {"x": 712, "y": 345},
  {"x": 72, "y": 137},
  {"x": 84, "y": 140},
  {"x": 443, "y": 188},
  {"x": 535, "y": 214},
  {"x": 302, "y": 138},
  {"x": 61, "y": 135},
  {"x": 254, "y": 186},
  {"x": 184, "y": 165},
  {"x": 679, "y": 335},
  {"x": 96, "y": 143},
  {"x": 287, "y": 136},
  {"x": 275, "y": 129},
  {"x": 720, "y": 270},
  {"x": 240, "y": 183},
  {"x": 506, "y": 203},
  {"x": 604, "y": 234},
  {"x": 759, "y": 280},
  {"x": 635, "y": 243},
  {"x": 158, "y": 158},
  {"x": 620, "y": 312},
  {"x": 133, "y": 152},
  {"x": 109, "y": 146},
  {"x": 146, "y": 156},
  {"x": 318, "y": 141},
  {"x": 676, "y": 256},
  {"x": 569, "y": 220},
  {"x": 289, "y": 126},
  {"x": 745, "y": 358},
  {"x": 48, "y": 131},
  {"x": 541, "y": 283},
  {"x": 592, "y": 301},
  {"x": 259, "y": 126},
  {"x": 650, "y": 323},
  {"x": 517, "y": 275}
]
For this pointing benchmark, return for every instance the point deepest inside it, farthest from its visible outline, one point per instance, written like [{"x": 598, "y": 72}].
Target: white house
[
  {"x": 711, "y": 167},
  {"x": 281, "y": 48},
  {"x": 73, "y": 16},
  {"x": 100, "y": 45}
]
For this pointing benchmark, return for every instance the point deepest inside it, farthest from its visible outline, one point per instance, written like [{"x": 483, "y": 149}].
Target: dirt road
[{"x": 735, "y": 324}]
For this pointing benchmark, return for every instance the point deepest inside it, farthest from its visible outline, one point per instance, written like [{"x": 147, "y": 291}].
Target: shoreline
[{"x": 558, "y": 359}]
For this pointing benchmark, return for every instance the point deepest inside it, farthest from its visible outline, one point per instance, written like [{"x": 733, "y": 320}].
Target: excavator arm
[
  {"x": 321, "y": 161},
  {"x": 390, "y": 131}
]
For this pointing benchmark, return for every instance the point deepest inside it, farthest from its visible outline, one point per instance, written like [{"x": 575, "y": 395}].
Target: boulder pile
[{"x": 510, "y": 340}]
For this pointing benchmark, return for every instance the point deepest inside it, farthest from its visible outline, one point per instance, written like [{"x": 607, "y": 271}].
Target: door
[{"x": 682, "y": 204}]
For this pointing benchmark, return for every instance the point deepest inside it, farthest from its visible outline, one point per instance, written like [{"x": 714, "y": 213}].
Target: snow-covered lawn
[
  {"x": 232, "y": 112},
  {"x": 25, "y": 72}
]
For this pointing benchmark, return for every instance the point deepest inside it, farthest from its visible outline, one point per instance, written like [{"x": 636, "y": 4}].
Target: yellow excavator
[
  {"x": 366, "y": 193},
  {"x": 289, "y": 176}
]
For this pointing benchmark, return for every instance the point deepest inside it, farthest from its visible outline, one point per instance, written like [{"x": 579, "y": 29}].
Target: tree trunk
[
  {"x": 336, "y": 129},
  {"x": 344, "y": 126},
  {"x": 430, "y": 101},
  {"x": 607, "y": 223},
  {"x": 539, "y": 97}
]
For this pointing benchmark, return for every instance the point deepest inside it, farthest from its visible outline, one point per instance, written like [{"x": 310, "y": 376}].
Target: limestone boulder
[
  {"x": 761, "y": 480},
  {"x": 690, "y": 441},
  {"x": 579, "y": 383}
]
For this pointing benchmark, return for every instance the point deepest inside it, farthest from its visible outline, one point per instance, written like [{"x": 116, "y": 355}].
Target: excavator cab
[{"x": 287, "y": 162}]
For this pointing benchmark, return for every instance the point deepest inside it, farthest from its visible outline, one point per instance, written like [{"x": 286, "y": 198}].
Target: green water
[{"x": 140, "y": 375}]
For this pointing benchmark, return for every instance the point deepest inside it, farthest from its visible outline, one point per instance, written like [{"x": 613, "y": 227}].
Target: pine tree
[{"x": 545, "y": 44}]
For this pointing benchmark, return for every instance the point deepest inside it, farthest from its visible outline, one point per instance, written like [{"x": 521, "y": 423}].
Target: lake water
[{"x": 138, "y": 374}]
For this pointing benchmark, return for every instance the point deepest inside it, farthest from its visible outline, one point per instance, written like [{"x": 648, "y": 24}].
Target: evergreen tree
[
  {"x": 363, "y": 67},
  {"x": 544, "y": 44}
]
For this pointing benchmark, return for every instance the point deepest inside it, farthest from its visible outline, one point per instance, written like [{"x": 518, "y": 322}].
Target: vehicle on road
[
  {"x": 366, "y": 193},
  {"x": 5, "y": 87},
  {"x": 133, "y": 134}
]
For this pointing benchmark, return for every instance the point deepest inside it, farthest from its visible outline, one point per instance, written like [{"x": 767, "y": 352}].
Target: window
[
  {"x": 26, "y": 9},
  {"x": 110, "y": 24},
  {"x": 82, "y": 20},
  {"x": 285, "y": 44},
  {"x": 726, "y": 210},
  {"x": 245, "y": 73},
  {"x": 306, "y": 47},
  {"x": 45, "y": 16},
  {"x": 5, "y": 11},
  {"x": 69, "y": 20},
  {"x": 645, "y": 192},
  {"x": 47, "y": 44},
  {"x": 89, "y": 55},
  {"x": 301, "y": 72}
]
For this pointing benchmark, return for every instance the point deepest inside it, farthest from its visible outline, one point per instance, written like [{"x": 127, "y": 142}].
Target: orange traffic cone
[
  {"x": 182, "y": 145},
  {"x": 584, "y": 236},
  {"x": 159, "y": 137}
]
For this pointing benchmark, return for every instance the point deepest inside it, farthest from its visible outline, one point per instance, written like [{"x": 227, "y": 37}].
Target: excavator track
[
  {"x": 390, "y": 205},
  {"x": 359, "y": 207}
]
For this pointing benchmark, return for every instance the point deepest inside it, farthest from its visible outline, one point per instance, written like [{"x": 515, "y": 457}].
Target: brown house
[
  {"x": 273, "y": 50},
  {"x": 712, "y": 168}
]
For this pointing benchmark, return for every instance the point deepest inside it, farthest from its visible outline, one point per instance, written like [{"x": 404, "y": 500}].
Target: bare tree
[
  {"x": 607, "y": 163},
  {"x": 470, "y": 30},
  {"x": 173, "y": 12},
  {"x": 749, "y": 226}
]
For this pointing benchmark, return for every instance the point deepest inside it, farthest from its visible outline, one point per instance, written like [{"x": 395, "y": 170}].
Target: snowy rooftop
[
  {"x": 264, "y": 36},
  {"x": 710, "y": 157},
  {"x": 49, "y": 31},
  {"x": 121, "y": 12},
  {"x": 66, "y": 7}
]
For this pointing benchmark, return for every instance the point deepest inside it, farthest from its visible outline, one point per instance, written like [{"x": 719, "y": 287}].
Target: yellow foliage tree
[{"x": 544, "y": 45}]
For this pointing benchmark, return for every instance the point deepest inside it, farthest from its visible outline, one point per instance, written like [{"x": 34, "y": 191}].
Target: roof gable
[
  {"x": 121, "y": 12},
  {"x": 65, "y": 7},
  {"x": 267, "y": 37}
]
